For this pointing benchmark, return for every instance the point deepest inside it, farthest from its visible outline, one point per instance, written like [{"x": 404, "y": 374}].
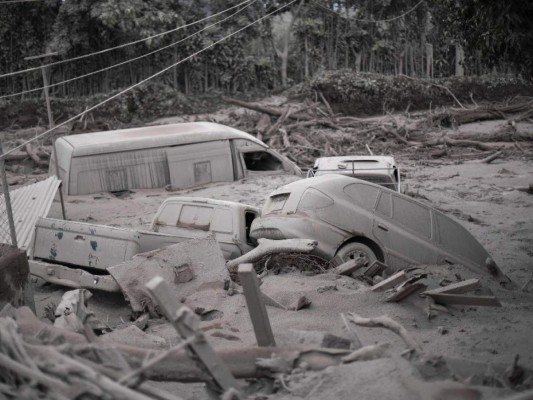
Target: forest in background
[{"x": 424, "y": 39}]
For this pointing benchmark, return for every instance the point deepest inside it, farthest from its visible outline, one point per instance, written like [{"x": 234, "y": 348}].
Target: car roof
[
  {"x": 153, "y": 136},
  {"x": 331, "y": 183},
  {"x": 359, "y": 162}
]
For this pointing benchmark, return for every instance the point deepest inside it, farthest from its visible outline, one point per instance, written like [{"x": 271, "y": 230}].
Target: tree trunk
[
  {"x": 306, "y": 59},
  {"x": 284, "y": 53},
  {"x": 459, "y": 60},
  {"x": 429, "y": 60},
  {"x": 175, "y": 69}
]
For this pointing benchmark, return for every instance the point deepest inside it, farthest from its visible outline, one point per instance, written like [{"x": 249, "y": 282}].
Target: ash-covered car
[
  {"x": 352, "y": 218},
  {"x": 381, "y": 170}
]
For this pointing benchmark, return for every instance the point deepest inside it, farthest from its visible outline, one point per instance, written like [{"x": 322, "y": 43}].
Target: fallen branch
[
  {"x": 367, "y": 353},
  {"x": 267, "y": 247},
  {"x": 387, "y": 323},
  {"x": 265, "y": 109}
]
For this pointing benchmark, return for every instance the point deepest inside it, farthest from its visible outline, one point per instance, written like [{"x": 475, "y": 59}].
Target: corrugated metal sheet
[{"x": 28, "y": 204}]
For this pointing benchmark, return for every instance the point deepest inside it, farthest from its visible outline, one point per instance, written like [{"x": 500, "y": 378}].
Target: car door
[{"x": 404, "y": 228}]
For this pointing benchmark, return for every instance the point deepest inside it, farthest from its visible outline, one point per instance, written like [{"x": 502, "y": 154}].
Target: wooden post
[
  {"x": 7, "y": 200},
  {"x": 186, "y": 324},
  {"x": 256, "y": 306}
]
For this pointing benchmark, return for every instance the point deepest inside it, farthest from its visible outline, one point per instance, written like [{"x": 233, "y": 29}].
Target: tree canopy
[{"x": 421, "y": 38}]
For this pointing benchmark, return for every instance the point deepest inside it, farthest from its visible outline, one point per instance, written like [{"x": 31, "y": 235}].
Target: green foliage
[{"x": 367, "y": 93}]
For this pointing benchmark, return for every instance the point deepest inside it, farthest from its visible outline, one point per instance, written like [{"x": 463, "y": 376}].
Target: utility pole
[{"x": 44, "y": 71}]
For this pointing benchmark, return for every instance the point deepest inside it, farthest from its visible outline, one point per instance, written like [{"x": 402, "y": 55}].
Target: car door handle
[{"x": 383, "y": 227}]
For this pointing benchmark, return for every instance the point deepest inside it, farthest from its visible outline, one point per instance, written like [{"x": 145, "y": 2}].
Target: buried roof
[{"x": 153, "y": 136}]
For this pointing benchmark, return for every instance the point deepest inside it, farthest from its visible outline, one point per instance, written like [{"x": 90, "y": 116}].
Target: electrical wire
[
  {"x": 121, "y": 45},
  {"x": 3, "y": 156},
  {"x": 130, "y": 60},
  {"x": 17, "y": 1},
  {"x": 370, "y": 20}
]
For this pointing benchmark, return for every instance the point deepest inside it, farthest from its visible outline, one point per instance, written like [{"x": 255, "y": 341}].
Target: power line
[
  {"x": 17, "y": 1},
  {"x": 130, "y": 60},
  {"x": 121, "y": 45},
  {"x": 370, "y": 20},
  {"x": 3, "y": 156}
]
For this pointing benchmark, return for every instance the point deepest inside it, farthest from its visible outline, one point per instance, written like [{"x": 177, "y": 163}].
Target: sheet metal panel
[
  {"x": 29, "y": 203},
  {"x": 141, "y": 169}
]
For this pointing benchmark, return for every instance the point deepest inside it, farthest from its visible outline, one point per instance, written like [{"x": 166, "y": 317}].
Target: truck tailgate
[{"x": 82, "y": 244}]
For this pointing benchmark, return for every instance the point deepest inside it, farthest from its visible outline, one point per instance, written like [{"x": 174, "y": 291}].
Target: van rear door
[{"x": 200, "y": 163}]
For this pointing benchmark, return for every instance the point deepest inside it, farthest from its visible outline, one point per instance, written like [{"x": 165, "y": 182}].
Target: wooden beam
[
  {"x": 390, "y": 282},
  {"x": 459, "y": 287},
  {"x": 350, "y": 266},
  {"x": 186, "y": 324},
  {"x": 375, "y": 268},
  {"x": 405, "y": 291},
  {"x": 256, "y": 306},
  {"x": 465, "y": 300}
]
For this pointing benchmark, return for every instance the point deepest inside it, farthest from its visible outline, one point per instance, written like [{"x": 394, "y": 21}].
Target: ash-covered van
[{"x": 176, "y": 155}]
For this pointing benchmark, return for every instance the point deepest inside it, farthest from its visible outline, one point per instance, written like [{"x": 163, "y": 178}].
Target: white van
[{"x": 176, "y": 155}]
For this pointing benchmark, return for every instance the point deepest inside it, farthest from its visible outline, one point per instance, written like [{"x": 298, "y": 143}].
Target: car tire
[{"x": 353, "y": 250}]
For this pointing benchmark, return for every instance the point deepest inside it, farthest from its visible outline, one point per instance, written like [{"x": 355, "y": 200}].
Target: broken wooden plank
[
  {"x": 390, "y": 282},
  {"x": 459, "y": 287},
  {"x": 405, "y": 291},
  {"x": 186, "y": 324},
  {"x": 375, "y": 268},
  {"x": 351, "y": 266},
  {"x": 256, "y": 306},
  {"x": 465, "y": 300}
]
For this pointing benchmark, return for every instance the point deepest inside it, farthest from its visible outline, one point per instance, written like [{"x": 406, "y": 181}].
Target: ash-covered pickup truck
[{"x": 76, "y": 254}]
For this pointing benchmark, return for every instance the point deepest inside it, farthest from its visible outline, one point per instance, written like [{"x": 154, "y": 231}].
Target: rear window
[
  {"x": 411, "y": 215},
  {"x": 196, "y": 217},
  {"x": 363, "y": 195},
  {"x": 205, "y": 218}
]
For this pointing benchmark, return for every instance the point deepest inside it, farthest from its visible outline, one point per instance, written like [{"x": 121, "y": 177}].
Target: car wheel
[{"x": 354, "y": 250}]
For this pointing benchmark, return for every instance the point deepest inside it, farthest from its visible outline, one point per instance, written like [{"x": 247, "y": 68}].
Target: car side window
[
  {"x": 383, "y": 207},
  {"x": 363, "y": 195},
  {"x": 411, "y": 215}
]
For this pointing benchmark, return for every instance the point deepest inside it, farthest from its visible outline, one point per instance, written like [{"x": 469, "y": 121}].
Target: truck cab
[{"x": 229, "y": 221}]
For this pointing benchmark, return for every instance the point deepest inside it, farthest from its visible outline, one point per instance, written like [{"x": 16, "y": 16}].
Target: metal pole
[{"x": 7, "y": 200}]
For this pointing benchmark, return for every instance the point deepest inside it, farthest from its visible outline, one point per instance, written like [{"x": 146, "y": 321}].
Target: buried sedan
[{"x": 352, "y": 218}]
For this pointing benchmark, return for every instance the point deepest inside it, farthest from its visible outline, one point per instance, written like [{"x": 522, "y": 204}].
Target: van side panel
[
  {"x": 200, "y": 163},
  {"x": 140, "y": 169}
]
